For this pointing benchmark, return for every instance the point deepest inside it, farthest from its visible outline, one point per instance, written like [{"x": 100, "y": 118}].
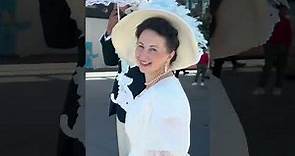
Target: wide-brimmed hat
[{"x": 124, "y": 39}]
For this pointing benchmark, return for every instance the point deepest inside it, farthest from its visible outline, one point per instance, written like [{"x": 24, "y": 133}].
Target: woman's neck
[
  {"x": 151, "y": 76},
  {"x": 154, "y": 78}
]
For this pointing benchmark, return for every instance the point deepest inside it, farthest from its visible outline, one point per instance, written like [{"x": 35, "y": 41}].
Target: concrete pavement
[
  {"x": 32, "y": 97},
  {"x": 268, "y": 120}
]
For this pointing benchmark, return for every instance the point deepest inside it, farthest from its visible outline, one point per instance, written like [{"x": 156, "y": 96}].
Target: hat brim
[{"x": 124, "y": 39}]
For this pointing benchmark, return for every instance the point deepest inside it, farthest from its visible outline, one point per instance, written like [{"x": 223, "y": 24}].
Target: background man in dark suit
[{"x": 112, "y": 59}]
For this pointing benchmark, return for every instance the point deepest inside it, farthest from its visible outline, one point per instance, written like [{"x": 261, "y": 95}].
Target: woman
[{"x": 158, "y": 119}]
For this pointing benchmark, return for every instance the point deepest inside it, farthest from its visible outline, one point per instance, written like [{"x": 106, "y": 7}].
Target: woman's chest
[{"x": 138, "y": 114}]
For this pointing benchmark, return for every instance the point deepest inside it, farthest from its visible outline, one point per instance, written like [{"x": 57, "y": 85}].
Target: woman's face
[{"x": 152, "y": 53}]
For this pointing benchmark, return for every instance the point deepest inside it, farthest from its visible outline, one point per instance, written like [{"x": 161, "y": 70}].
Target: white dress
[{"x": 158, "y": 120}]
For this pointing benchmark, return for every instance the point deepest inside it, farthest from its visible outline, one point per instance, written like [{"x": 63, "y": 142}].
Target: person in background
[
  {"x": 202, "y": 68},
  {"x": 276, "y": 52}
]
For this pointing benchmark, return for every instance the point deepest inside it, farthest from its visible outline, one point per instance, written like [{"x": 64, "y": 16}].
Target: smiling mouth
[{"x": 144, "y": 64}]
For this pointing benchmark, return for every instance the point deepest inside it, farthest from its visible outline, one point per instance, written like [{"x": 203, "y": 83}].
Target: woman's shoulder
[
  {"x": 169, "y": 87},
  {"x": 169, "y": 96}
]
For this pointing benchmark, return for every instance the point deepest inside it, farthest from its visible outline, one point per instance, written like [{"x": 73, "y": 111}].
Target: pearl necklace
[{"x": 158, "y": 78}]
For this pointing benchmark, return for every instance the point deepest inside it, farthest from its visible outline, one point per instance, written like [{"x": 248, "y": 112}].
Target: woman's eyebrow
[{"x": 156, "y": 46}]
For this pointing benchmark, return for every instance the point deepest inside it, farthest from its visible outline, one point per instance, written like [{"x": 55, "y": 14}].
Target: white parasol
[{"x": 119, "y": 3}]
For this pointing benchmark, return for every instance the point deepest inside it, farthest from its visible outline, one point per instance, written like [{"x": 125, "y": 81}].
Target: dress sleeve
[
  {"x": 168, "y": 133},
  {"x": 110, "y": 56}
]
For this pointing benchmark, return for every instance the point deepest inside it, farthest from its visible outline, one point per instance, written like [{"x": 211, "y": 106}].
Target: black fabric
[
  {"x": 137, "y": 86},
  {"x": 59, "y": 29},
  {"x": 71, "y": 104},
  {"x": 68, "y": 146},
  {"x": 81, "y": 52},
  {"x": 109, "y": 56}
]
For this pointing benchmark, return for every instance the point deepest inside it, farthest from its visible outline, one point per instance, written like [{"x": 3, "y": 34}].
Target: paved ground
[
  {"x": 31, "y": 100},
  {"x": 268, "y": 120}
]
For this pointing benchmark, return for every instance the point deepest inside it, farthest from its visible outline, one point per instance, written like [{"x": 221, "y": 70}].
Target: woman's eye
[
  {"x": 139, "y": 46},
  {"x": 153, "y": 49}
]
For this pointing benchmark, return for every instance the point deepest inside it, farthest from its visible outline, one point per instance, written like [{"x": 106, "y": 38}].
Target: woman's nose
[{"x": 142, "y": 54}]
